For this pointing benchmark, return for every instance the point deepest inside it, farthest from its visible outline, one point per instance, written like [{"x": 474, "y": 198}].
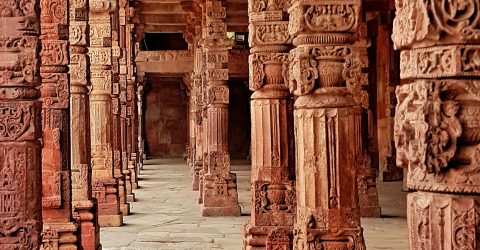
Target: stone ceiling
[{"x": 168, "y": 16}]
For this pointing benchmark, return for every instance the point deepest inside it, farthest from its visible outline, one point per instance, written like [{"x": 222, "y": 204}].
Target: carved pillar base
[
  {"x": 327, "y": 207},
  {"x": 267, "y": 237},
  {"x": 85, "y": 214},
  {"x": 108, "y": 203},
  {"x": 443, "y": 221},
  {"x": 369, "y": 207},
  {"x": 59, "y": 236},
  {"x": 196, "y": 175},
  {"x": 124, "y": 205},
  {"x": 132, "y": 167},
  {"x": 220, "y": 196}
]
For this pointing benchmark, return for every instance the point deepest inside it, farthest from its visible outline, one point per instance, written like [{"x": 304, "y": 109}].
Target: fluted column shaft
[
  {"x": 20, "y": 127},
  {"x": 326, "y": 75},
  {"x": 105, "y": 185},
  {"x": 436, "y": 121}
]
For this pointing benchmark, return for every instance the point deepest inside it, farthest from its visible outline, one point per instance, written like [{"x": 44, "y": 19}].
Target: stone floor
[{"x": 166, "y": 214}]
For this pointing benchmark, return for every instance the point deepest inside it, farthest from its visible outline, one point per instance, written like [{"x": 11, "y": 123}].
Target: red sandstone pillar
[
  {"x": 140, "y": 135},
  {"x": 131, "y": 139},
  {"x": 124, "y": 182},
  {"x": 20, "y": 129},
  {"x": 437, "y": 126},
  {"x": 325, "y": 73},
  {"x": 273, "y": 188},
  {"x": 105, "y": 185},
  {"x": 58, "y": 228},
  {"x": 219, "y": 188},
  {"x": 198, "y": 108},
  {"x": 84, "y": 206},
  {"x": 132, "y": 96},
  {"x": 117, "y": 51}
]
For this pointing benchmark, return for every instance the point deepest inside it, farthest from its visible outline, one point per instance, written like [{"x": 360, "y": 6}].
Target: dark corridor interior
[{"x": 166, "y": 118}]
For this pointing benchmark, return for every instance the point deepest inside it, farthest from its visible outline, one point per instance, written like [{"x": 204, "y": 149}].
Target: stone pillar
[
  {"x": 58, "y": 228},
  {"x": 197, "y": 96},
  {"x": 123, "y": 132},
  {"x": 140, "y": 125},
  {"x": 117, "y": 52},
  {"x": 367, "y": 152},
  {"x": 220, "y": 196},
  {"x": 325, "y": 73},
  {"x": 105, "y": 185},
  {"x": 20, "y": 128},
  {"x": 273, "y": 188},
  {"x": 436, "y": 127},
  {"x": 131, "y": 139},
  {"x": 84, "y": 206}
]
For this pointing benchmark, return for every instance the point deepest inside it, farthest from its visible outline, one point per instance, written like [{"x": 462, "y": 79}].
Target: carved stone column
[
  {"x": 105, "y": 185},
  {"x": 20, "y": 128},
  {"x": 117, "y": 51},
  {"x": 84, "y": 206},
  {"x": 436, "y": 127},
  {"x": 219, "y": 188},
  {"x": 131, "y": 139},
  {"x": 273, "y": 188},
  {"x": 197, "y": 109},
  {"x": 58, "y": 228},
  {"x": 325, "y": 73},
  {"x": 140, "y": 135}
]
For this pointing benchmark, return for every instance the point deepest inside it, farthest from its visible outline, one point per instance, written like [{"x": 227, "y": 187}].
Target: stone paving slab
[{"x": 167, "y": 215}]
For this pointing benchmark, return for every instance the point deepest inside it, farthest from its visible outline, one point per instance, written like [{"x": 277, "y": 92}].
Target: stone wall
[{"x": 165, "y": 119}]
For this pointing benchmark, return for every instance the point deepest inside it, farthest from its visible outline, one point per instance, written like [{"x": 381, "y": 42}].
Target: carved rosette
[
  {"x": 20, "y": 127},
  {"x": 436, "y": 119}
]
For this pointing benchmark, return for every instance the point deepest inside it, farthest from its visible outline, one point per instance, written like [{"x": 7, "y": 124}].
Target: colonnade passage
[{"x": 344, "y": 95}]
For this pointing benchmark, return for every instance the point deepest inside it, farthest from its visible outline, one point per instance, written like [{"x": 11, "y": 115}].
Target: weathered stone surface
[
  {"x": 104, "y": 184},
  {"x": 325, "y": 72},
  {"x": 436, "y": 121},
  {"x": 20, "y": 126},
  {"x": 58, "y": 227},
  {"x": 83, "y": 205},
  {"x": 219, "y": 191},
  {"x": 273, "y": 160}
]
